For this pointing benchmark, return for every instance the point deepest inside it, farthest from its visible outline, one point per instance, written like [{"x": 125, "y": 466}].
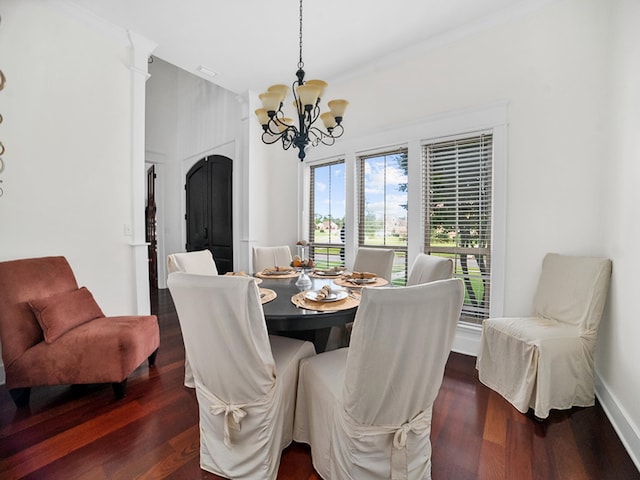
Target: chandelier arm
[
  {"x": 273, "y": 126},
  {"x": 272, "y": 131},
  {"x": 270, "y": 139},
  {"x": 320, "y": 136},
  {"x": 314, "y": 113}
]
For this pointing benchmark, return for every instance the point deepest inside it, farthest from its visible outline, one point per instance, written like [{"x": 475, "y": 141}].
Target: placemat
[
  {"x": 276, "y": 277},
  {"x": 299, "y": 300},
  {"x": 344, "y": 282},
  {"x": 266, "y": 295},
  {"x": 243, "y": 274}
]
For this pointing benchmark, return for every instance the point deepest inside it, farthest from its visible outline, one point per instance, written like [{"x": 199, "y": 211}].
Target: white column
[{"x": 141, "y": 49}]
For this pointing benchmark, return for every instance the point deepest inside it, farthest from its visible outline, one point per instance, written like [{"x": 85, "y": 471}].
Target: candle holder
[{"x": 303, "y": 282}]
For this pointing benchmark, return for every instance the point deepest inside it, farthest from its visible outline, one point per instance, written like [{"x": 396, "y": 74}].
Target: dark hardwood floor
[{"x": 71, "y": 433}]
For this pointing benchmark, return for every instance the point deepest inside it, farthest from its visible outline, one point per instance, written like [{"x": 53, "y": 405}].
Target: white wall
[
  {"x": 617, "y": 349},
  {"x": 568, "y": 190},
  {"x": 67, "y": 130},
  {"x": 548, "y": 66}
]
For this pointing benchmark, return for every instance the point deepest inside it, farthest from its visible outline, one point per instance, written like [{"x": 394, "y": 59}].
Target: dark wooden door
[
  {"x": 209, "y": 209},
  {"x": 151, "y": 227}
]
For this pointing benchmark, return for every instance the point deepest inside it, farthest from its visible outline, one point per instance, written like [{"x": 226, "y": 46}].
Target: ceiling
[{"x": 251, "y": 44}]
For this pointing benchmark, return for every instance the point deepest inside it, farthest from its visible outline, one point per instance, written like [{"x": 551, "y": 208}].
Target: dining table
[{"x": 301, "y": 319}]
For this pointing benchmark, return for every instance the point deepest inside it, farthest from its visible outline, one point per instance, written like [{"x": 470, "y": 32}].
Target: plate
[
  {"x": 328, "y": 273},
  {"x": 362, "y": 281},
  {"x": 333, "y": 297},
  {"x": 279, "y": 272}
]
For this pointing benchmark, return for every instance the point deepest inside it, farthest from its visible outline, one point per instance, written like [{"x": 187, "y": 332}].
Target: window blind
[{"x": 457, "y": 213}]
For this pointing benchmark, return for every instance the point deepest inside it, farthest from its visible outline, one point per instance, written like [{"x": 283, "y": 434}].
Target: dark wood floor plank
[
  {"x": 492, "y": 462},
  {"x": 152, "y": 433},
  {"x": 518, "y": 440}
]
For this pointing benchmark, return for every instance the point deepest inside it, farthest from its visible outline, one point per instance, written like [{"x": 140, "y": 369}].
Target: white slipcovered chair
[
  {"x": 245, "y": 379},
  {"x": 268, "y": 257},
  {"x": 545, "y": 361},
  {"x": 200, "y": 262},
  {"x": 429, "y": 268},
  {"x": 366, "y": 410},
  {"x": 374, "y": 260}
]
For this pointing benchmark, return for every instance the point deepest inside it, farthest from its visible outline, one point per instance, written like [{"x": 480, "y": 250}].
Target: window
[
  {"x": 383, "y": 206},
  {"x": 327, "y": 207},
  {"x": 457, "y": 206}
]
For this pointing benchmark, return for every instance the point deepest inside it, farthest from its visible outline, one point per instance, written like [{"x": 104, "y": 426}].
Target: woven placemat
[
  {"x": 266, "y": 295},
  {"x": 300, "y": 301},
  {"x": 344, "y": 282},
  {"x": 276, "y": 277}
]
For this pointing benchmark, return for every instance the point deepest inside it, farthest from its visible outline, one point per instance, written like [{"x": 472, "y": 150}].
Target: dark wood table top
[{"x": 284, "y": 318}]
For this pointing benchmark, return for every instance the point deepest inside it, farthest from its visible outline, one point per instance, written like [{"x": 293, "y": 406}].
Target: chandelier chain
[{"x": 300, "y": 62}]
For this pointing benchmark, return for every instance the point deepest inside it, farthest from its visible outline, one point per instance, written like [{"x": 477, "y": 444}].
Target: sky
[{"x": 330, "y": 188}]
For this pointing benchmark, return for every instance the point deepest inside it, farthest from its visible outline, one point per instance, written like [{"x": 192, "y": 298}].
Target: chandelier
[{"x": 306, "y": 102}]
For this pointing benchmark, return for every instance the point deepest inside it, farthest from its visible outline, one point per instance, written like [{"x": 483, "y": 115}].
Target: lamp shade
[
  {"x": 308, "y": 94},
  {"x": 262, "y": 115},
  {"x": 282, "y": 90},
  {"x": 328, "y": 119},
  {"x": 319, "y": 84},
  {"x": 270, "y": 101},
  {"x": 338, "y": 107}
]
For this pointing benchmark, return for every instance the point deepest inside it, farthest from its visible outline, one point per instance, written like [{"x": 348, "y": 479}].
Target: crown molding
[
  {"x": 90, "y": 19},
  {"x": 475, "y": 27}
]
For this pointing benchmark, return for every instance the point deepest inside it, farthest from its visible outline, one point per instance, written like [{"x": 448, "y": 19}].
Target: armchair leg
[
  {"x": 152, "y": 358},
  {"x": 120, "y": 389},
  {"x": 20, "y": 396}
]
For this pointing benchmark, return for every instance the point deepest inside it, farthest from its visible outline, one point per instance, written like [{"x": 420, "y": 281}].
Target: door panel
[
  {"x": 210, "y": 209},
  {"x": 197, "y": 187},
  {"x": 151, "y": 227}
]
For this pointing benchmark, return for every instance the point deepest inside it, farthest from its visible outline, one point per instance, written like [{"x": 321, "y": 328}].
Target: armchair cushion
[{"x": 60, "y": 313}]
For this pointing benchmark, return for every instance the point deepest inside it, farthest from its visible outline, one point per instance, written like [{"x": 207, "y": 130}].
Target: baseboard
[
  {"x": 628, "y": 433},
  {"x": 467, "y": 339}
]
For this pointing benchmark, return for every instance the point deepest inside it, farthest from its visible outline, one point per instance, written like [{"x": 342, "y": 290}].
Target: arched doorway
[{"x": 209, "y": 212}]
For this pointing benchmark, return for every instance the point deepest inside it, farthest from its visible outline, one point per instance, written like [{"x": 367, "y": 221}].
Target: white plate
[
  {"x": 333, "y": 297},
  {"x": 362, "y": 281},
  {"x": 329, "y": 273}
]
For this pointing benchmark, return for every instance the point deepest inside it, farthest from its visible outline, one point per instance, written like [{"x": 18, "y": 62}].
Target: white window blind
[{"x": 457, "y": 211}]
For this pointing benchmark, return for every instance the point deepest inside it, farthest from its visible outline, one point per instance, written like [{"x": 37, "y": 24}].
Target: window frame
[
  {"x": 400, "y": 251},
  {"x": 413, "y": 134},
  {"x": 315, "y": 246},
  {"x": 472, "y": 314}
]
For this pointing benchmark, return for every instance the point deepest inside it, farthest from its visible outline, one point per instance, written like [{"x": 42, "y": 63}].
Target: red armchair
[{"x": 54, "y": 333}]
